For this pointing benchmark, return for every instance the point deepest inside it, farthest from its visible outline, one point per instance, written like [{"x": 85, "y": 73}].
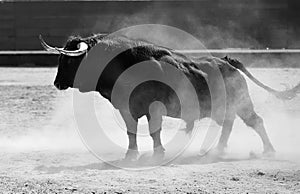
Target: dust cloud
[
  {"x": 59, "y": 131},
  {"x": 281, "y": 120},
  {"x": 55, "y": 130},
  {"x": 217, "y": 25}
]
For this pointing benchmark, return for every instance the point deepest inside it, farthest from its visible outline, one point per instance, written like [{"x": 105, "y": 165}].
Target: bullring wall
[
  {"x": 218, "y": 23},
  {"x": 254, "y": 24}
]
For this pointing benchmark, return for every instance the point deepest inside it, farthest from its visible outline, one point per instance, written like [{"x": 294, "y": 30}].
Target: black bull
[{"x": 197, "y": 70}]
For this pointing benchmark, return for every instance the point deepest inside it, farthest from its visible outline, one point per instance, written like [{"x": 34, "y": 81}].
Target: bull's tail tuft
[{"x": 284, "y": 95}]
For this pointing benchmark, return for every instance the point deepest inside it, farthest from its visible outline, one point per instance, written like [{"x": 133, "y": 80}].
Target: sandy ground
[{"x": 41, "y": 151}]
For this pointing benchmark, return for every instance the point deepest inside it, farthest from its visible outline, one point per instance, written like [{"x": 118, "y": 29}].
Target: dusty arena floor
[{"x": 41, "y": 151}]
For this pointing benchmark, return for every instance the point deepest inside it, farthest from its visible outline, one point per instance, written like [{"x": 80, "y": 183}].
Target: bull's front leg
[
  {"x": 155, "y": 122},
  {"x": 131, "y": 125},
  {"x": 132, "y": 151}
]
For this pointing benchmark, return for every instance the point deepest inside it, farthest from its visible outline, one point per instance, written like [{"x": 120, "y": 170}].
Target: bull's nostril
[{"x": 56, "y": 84}]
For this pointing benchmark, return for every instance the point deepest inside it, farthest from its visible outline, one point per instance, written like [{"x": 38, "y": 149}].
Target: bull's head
[{"x": 70, "y": 57}]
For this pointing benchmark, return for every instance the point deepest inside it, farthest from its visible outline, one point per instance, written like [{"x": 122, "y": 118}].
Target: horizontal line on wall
[
  {"x": 217, "y": 51},
  {"x": 237, "y": 51}
]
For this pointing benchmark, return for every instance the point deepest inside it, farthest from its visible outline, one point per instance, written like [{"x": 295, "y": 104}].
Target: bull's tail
[{"x": 285, "y": 95}]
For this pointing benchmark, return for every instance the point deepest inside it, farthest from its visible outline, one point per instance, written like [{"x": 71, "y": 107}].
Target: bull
[{"x": 199, "y": 71}]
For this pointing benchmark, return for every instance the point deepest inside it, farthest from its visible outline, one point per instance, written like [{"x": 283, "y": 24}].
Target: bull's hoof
[
  {"x": 202, "y": 153},
  {"x": 131, "y": 156},
  {"x": 158, "y": 154},
  {"x": 269, "y": 152},
  {"x": 217, "y": 151}
]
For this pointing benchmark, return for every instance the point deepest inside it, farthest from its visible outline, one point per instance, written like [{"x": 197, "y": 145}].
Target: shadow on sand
[{"x": 145, "y": 163}]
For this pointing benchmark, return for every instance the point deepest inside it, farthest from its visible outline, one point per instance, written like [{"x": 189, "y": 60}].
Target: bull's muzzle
[{"x": 60, "y": 86}]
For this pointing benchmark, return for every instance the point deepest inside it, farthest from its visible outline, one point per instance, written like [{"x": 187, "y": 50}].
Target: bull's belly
[
  {"x": 191, "y": 115},
  {"x": 149, "y": 93},
  {"x": 176, "y": 110}
]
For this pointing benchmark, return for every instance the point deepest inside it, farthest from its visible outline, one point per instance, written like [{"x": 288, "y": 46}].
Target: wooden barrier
[
  {"x": 271, "y": 23},
  {"x": 218, "y": 24}
]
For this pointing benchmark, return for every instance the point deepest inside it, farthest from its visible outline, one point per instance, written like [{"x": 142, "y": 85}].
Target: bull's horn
[
  {"x": 82, "y": 48},
  {"x": 47, "y": 47}
]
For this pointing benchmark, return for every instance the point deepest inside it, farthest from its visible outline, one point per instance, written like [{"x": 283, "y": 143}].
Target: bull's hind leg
[
  {"x": 155, "y": 122},
  {"x": 248, "y": 115},
  {"x": 131, "y": 125},
  {"x": 226, "y": 131}
]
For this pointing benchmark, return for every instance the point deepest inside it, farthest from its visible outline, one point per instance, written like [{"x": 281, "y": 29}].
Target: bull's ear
[{"x": 92, "y": 42}]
